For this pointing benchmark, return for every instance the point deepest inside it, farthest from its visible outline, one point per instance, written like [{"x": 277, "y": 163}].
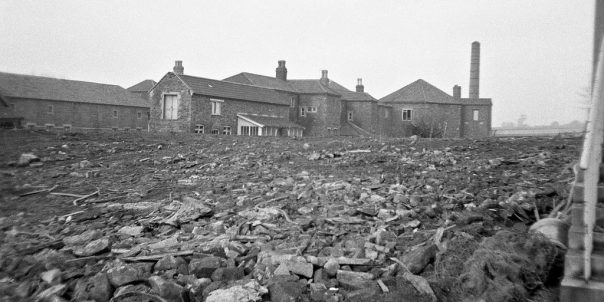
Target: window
[
  {"x": 254, "y": 131},
  {"x": 67, "y": 127},
  {"x": 245, "y": 130},
  {"x": 226, "y": 130},
  {"x": 13, "y": 107},
  {"x": 292, "y": 102},
  {"x": 474, "y": 115},
  {"x": 114, "y": 128},
  {"x": 139, "y": 129},
  {"x": 49, "y": 126},
  {"x": 407, "y": 114},
  {"x": 386, "y": 114},
  {"x": 302, "y": 111},
  {"x": 170, "y": 107},
  {"x": 50, "y": 109},
  {"x": 139, "y": 115},
  {"x": 350, "y": 115},
  {"x": 127, "y": 129},
  {"x": 114, "y": 113},
  {"x": 30, "y": 126},
  {"x": 216, "y": 106},
  {"x": 199, "y": 129},
  {"x": 214, "y": 131},
  {"x": 311, "y": 109}
]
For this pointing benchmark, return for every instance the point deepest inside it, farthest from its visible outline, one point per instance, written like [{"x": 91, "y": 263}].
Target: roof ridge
[
  {"x": 58, "y": 79},
  {"x": 228, "y": 82}
]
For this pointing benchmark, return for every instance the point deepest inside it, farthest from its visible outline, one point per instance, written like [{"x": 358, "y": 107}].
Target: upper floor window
[
  {"x": 386, "y": 114},
  {"x": 350, "y": 115},
  {"x": 13, "y": 107},
  {"x": 312, "y": 109},
  {"x": 407, "y": 115},
  {"x": 50, "y": 109},
  {"x": 302, "y": 111},
  {"x": 214, "y": 131},
  {"x": 292, "y": 102},
  {"x": 114, "y": 113},
  {"x": 139, "y": 115},
  {"x": 475, "y": 115},
  {"x": 216, "y": 106},
  {"x": 170, "y": 107}
]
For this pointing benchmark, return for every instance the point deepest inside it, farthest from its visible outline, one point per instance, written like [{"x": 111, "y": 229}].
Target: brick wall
[
  {"x": 81, "y": 116},
  {"x": 435, "y": 114},
  {"x": 479, "y": 128},
  {"x": 201, "y": 109},
  {"x": 384, "y": 121},
  {"x": 170, "y": 84},
  {"x": 364, "y": 114},
  {"x": 328, "y": 115}
]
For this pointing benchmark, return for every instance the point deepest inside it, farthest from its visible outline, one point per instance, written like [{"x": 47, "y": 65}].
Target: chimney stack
[
  {"x": 475, "y": 71},
  {"x": 324, "y": 78},
  {"x": 457, "y": 92},
  {"x": 360, "y": 87},
  {"x": 281, "y": 71},
  {"x": 178, "y": 68}
]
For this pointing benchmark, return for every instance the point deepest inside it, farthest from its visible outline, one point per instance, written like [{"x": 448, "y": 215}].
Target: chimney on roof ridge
[
  {"x": 281, "y": 71},
  {"x": 178, "y": 68},
  {"x": 360, "y": 87},
  {"x": 324, "y": 79},
  {"x": 457, "y": 92}
]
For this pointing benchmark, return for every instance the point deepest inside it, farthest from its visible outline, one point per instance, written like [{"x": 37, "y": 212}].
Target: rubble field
[{"x": 179, "y": 217}]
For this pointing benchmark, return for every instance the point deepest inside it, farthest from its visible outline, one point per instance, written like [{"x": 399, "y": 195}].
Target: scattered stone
[
  {"x": 93, "y": 248},
  {"x": 83, "y": 238},
  {"x": 123, "y": 274},
  {"x": 52, "y": 277},
  {"x": 331, "y": 267},
  {"x": 417, "y": 259},
  {"x": 354, "y": 280},
  {"x": 95, "y": 288},
  {"x": 300, "y": 268},
  {"x": 248, "y": 292},
  {"x": 170, "y": 262},
  {"x": 27, "y": 158},
  {"x": 228, "y": 274},
  {"x": 286, "y": 291},
  {"x": 204, "y": 267},
  {"x": 131, "y": 230},
  {"x": 168, "y": 290}
]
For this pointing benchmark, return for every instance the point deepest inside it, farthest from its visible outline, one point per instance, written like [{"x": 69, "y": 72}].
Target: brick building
[
  {"x": 184, "y": 103},
  {"x": 50, "y": 103},
  {"x": 322, "y": 106},
  {"x": 420, "y": 108}
]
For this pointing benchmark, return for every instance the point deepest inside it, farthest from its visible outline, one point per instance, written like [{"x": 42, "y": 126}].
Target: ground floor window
[
  {"x": 114, "y": 128},
  {"x": 49, "y": 127},
  {"x": 407, "y": 114},
  {"x": 30, "y": 126},
  {"x": 350, "y": 115},
  {"x": 127, "y": 129},
  {"x": 249, "y": 130},
  {"x": 214, "y": 131},
  {"x": 226, "y": 130},
  {"x": 199, "y": 129},
  {"x": 67, "y": 127},
  {"x": 474, "y": 115}
]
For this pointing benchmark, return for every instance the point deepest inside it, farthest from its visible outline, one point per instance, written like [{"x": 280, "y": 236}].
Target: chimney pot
[
  {"x": 281, "y": 71},
  {"x": 178, "y": 68},
  {"x": 457, "y": 92},
  {"x": 360, "y": 87},
  {"x": 324, "y": 78}
]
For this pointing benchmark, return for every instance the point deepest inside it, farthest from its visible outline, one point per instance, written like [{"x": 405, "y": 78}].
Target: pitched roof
[
  {"x": 262, "y": 81},
  {"x": 224, "y": 89},
  {"x": 44, "y": 88},
  {"x": 270, "y": 121},
  {"x": 481, "y": 101},
  {"x": 143, "y": 86},
  {"x": 349, "y": 95},
  {"x": 419, "y": 91}
]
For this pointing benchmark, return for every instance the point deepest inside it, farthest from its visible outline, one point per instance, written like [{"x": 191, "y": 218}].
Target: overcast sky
[{"x": 536, "y": 55}]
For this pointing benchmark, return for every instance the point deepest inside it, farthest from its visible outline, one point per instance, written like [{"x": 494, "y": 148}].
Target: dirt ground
[{"x": 413, "y": 216}]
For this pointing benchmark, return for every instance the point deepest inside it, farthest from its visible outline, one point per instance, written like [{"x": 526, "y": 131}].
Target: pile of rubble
[{"x": 235, "y": 219}]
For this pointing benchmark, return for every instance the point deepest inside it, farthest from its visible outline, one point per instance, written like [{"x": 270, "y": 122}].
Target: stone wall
[
  {"x": 479, "y": 128},
  {"x": 364, "y": 114},
  {"x": 328, "y": 115},
  {"x": 170, "y": 84},
  {"x": 445, "y": 116}
]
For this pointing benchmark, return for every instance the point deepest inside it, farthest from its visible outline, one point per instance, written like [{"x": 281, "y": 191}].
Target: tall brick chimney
[
  {"x": 360, "y": 87},
  {"x": 281, "y": 71},
  {"x": 475, "y": 71},
  {"x": 457, "y": 92},
  {"x": 178, "y": 68},
  {"x": 324, "y": 79}
]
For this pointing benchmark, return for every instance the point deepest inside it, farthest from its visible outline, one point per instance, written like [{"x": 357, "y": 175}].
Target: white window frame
[
  {"x": 311, "y": 109},
  {"x": 199, "y": 129},
  {"x": 475, "y": 114},
  {"x": 115, "y": 114},
  {"x": 350, "y": 116},
  {"x": 173, "y": 113},
  {"x": 292, "y": 102},
  {"x": 409, "y": 115},
  {"x": 214, "y": 131},
  {"x": 67, "y": 127},
  {"x": 302, "y": 111},
  {"x": 49, "y": 127},
  {"x": 216, "y": 106},
  {"x": 226, "y": 130}
]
